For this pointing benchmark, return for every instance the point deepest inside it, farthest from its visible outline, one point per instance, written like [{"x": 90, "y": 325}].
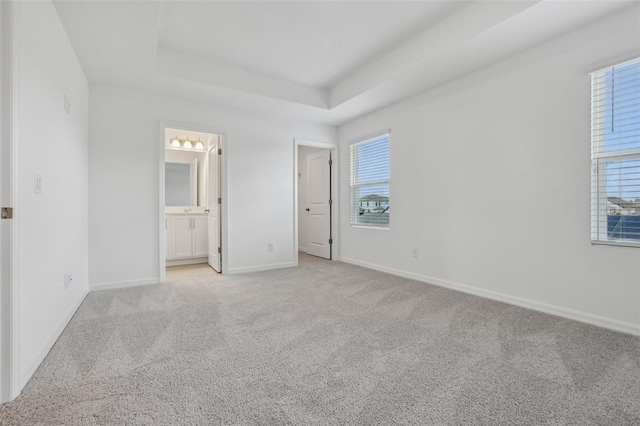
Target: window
[
  {"x": 369, "y": 169},
  {"x": 615, "y": 155}
]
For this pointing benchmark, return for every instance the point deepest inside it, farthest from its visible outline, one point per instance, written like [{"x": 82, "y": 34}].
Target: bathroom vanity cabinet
[{"x": 186, "y": 236}]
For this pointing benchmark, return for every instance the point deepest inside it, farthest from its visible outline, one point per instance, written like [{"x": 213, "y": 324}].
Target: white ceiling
[
  {"x": 327, "y": 62},
  {"x": 312, "y": 43}
]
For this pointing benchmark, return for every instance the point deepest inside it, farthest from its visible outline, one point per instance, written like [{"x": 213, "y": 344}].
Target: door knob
[{"x": 307, "y": 209}]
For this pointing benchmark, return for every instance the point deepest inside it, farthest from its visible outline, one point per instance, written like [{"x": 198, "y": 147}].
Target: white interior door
[
  {"x": 319, "y": 207},
  {"x": 213, "y": 185}
]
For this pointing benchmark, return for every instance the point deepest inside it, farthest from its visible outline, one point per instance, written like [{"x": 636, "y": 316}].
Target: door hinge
[
  {"x": 219, "y": 200},
  {"x": 7, "y": 212},
  {"x": 330, "y": 240},
  {"x": 219, "y": 249},
  {"x": 330, "y": 202},
  {"x": 331, "y": 162},
  {"x": 219, "y": 151}
]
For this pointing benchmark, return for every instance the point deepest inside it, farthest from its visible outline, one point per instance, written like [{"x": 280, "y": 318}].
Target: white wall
[
  {"x": 123, "y": 182},
  {"x": 490, "y": 179},
  {"x": 52, "y": 227},
  {"x": 303, "y": 152}
]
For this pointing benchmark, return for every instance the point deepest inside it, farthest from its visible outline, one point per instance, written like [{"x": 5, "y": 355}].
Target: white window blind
[
  {"x": 369, "y": 170},
  {"x": 615, "y": 155}
]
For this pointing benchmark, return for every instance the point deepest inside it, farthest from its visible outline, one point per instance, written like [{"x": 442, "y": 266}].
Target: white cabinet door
[
  {"x": 182, "y": 239},
  {"x": 200, "y": 237}
]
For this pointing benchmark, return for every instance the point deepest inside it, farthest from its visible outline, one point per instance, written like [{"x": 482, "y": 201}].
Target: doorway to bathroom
[{"x": 191, "y": 201}]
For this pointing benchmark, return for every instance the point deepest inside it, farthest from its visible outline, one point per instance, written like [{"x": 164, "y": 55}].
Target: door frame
[
  {"x": 203, "y": 128},
  {"x": 335, "y": 223},
  {"x": 10, "y": 380}
]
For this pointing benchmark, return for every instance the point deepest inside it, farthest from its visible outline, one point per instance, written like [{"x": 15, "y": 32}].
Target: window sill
[
  {"x": 615, "y": 243},
  {"x": 370, "y": 227}
]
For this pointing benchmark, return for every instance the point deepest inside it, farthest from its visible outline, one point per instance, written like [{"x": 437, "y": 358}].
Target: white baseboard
[
  {"x": 192, "y": 261},
  {"x": 303, "y": 249},
  {"x": 612, "y": 324},
  {"x": 262, "y": 268},
  {"x": 43, "y": 350},
  {"x": 124, "y": 284}
]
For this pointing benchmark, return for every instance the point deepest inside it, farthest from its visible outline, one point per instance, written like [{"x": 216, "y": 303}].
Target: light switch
[{"x": 37, "y": 183}]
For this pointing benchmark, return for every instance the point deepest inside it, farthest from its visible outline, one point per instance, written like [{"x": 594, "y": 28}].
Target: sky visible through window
[
  {"x": 373, "y": 166},
  {"x": 622, "y": 132},
  {"x": 373, "y": 160}
]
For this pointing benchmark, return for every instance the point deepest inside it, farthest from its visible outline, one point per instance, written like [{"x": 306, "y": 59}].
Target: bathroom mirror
[{"x": 181, "y": 183}]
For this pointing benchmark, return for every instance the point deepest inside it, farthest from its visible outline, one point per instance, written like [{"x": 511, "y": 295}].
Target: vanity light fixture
[{"x": 186, "y": 143}]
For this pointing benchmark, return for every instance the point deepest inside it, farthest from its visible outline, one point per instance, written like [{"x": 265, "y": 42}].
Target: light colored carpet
[{"x": 326, "y": 343}]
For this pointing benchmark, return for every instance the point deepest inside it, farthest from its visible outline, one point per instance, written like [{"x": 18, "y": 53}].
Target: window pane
[
  {"x": 372, "y": 205},
  {"x": 369, "y": 170},
  {"x": 615, "y": 153},
  {"x": 621, "y": 110},
  {"x": 623, "y": 200},
  {"x": 371, "y": 161}
]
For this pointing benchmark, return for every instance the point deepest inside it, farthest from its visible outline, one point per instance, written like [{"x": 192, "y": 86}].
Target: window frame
[
  {"x": 353, "y": 188},
  {"x": 600, "y": 158}
]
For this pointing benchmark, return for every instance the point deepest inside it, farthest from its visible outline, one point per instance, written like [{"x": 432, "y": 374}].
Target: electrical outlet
[
  {"x": 270, "y": 246},
  {"x": 67, "y": 279},
  {"x": 414, "y": 252}
]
